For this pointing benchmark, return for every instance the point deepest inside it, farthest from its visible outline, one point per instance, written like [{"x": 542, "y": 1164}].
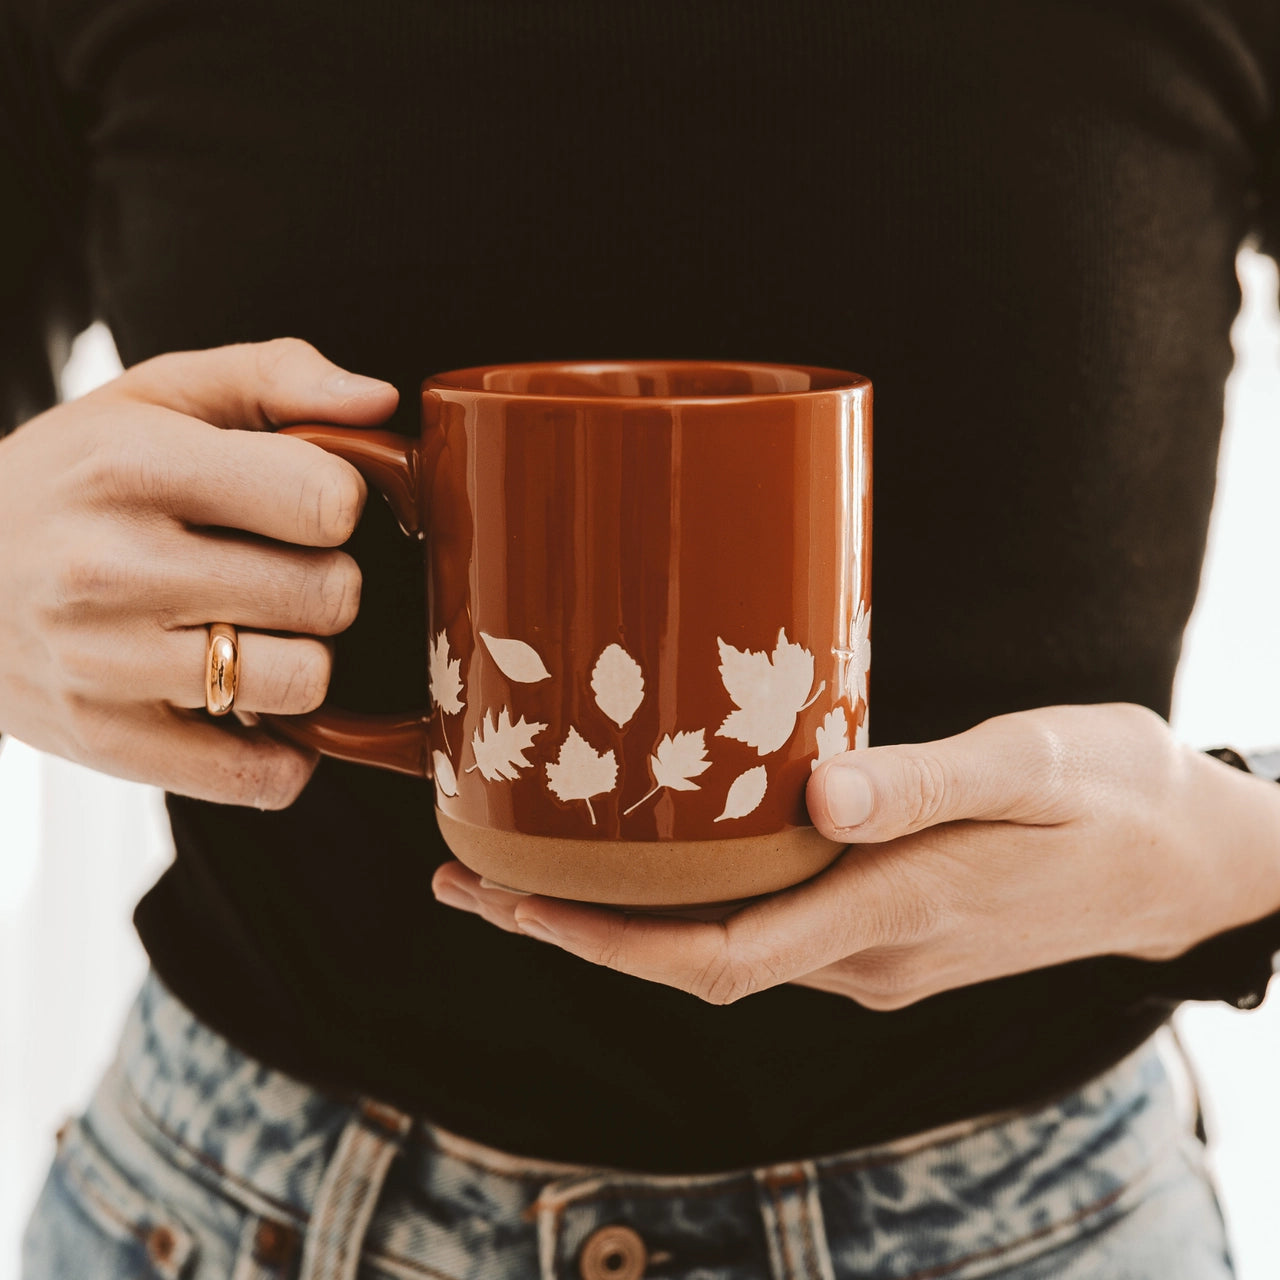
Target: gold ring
[{"x": 221, "y": 669}]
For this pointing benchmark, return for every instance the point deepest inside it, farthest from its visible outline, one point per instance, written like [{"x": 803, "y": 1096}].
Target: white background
[{"x": 77, "y": 849}]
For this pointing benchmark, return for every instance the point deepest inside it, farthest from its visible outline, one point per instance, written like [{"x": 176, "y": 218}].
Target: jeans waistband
[{"x": 957, "y": 1203}]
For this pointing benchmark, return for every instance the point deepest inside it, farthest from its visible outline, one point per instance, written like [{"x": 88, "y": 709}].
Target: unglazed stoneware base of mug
[{"x": 642, "y": 873}]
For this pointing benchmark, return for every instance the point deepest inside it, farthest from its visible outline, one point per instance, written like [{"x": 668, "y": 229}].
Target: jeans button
[
  {"x": 612, "y": 1253},
  {"x": 274, "y": 1244}
]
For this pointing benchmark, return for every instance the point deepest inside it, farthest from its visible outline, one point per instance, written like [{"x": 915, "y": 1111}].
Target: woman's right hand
[{"x": 151, "y": 507}]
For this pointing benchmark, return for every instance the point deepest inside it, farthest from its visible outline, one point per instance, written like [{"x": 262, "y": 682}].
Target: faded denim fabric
[{"x": 196, "y": 1162}]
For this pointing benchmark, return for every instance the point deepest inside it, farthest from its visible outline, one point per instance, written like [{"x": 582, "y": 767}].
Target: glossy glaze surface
[
  {"x": 643, "y": 538},
  {"x": 648, "y": 590}
]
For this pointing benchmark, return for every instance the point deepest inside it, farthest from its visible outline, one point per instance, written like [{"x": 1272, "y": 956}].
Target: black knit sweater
[{"x": 1018, "y": 218}]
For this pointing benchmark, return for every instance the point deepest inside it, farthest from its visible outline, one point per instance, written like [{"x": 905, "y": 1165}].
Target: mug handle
[{"x": 391, "y": 464}]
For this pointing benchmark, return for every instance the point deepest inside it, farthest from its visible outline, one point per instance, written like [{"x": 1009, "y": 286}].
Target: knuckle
[
  {"x": 910, "y": 905},
  {"x": 1056, "y": 755},
  {"x": 339, "y": 589},
  {"x": 889, "y": 979},
  {"x": 329, "y": 503},
  {"x": 305, "y": 679},
  {"x": 114, "y": 468},
  {"x": 725, "y": 979},
  {"x": 134, "y": 468},
  {"x": 909, "y": 919},
  {"x": 613, "y": 951},
  {"x": 274, "y": 780},
  {"x": 924, "y": 788},
  {"x": 273, "y": 357},
  {"x": 878, "y": 1002},
  {"x": 87, "y": 578}
]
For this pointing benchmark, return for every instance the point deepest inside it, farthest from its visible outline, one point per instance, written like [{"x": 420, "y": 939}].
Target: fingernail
[
  {"x": 452, "y": 896},
  {"x": 848, "y": 796},
  {"x": 345, "y": 385},
  {"x": 537, "y": 928}
]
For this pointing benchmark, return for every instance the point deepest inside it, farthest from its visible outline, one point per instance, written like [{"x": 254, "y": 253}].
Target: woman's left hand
[{"x": 1032, "y": 839}]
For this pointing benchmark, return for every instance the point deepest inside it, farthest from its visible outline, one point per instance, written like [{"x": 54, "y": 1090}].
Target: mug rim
[{"x": 469, "y": 381}]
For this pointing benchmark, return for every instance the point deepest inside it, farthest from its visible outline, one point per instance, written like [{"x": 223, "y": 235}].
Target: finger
[
  {"x": 277, "y": 486},
  {"x": 259, "y": 385},
  {"x": 691, "y": 955},
  {"x": 456, "y": 886},
  {"x": 224, "y": 762},
  {"x": 1013, "y": 768},
  {"x": 849, "y": 908},
  {"x": 266, "y": 586},
  {"x": 278, "y": 675}
]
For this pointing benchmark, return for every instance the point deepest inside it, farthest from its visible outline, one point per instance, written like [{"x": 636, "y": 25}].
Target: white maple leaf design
[
  {"x": 516, "y": 660},
  {"x": 676, "y": 761},
  {"x": 833, "y": 736},
  {"x": 446, "y": 779},
  {"x": 499, "y": 745},
  {"x": 769, "y": 690},
  {"x": 581, "y": 772},
  {"x": 858, "y": 669},
  {"x": 746, "y": 793},
  {"x": 618, "y": 684},
  {"x": 445, "y": 676}
]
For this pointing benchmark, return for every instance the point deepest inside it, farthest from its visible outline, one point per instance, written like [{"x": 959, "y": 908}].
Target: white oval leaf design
[
  {"x": 581, "y": 772},
  {"x": 769, "y": 690},
  {"x": 445, "y": 676},
  {"x": 833, "y": 736},
  {"x": 516, "y": 660},
  {"x": 746, "y": 793},
  {"x": 499, "y": 745},
  {"x": 675, "y": 762},
  {"x": 446, "y": 779},
  {"x": 618, "y": 684}
]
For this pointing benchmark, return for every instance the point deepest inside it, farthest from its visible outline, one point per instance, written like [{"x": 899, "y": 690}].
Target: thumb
[{"x": 1007, "y": 769}]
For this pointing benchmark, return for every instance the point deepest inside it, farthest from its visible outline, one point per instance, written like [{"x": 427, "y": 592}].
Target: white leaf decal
[
  {"x": 859, "y": 659},
  {"x": 516, "y": 660},
  {"x": 618, "y": 684},
  {"x": 581, "y": 772},
  {"x": 445, "y": 676},
  {"x": 446, "y": 779},
  {"x": 770, "y": 692},
  {"x": 500, "y": 746},
  {"x": 833, "y": 736},
  {"x": 675, "y": 762},
  {"x": 862, "y": 739},
  {"x": 746, "y": 793}
]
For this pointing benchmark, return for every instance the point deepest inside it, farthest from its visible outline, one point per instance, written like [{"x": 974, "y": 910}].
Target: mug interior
[{"x": 681, "y": 379}]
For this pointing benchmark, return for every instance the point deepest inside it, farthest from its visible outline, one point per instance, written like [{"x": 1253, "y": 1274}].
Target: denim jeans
[{"x": 198, "y": 1162}]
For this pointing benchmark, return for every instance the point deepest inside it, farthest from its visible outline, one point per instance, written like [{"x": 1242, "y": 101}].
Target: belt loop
[
  {"x": 793, "y": 1224},
  {"x": 349, "y": 1191}
]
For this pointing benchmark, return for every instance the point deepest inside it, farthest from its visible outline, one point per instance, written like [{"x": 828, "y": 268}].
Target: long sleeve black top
[{"x": 1019, "y": 219}]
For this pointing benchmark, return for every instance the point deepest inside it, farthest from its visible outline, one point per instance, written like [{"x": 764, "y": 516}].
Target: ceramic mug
[{"x": 648, "y": 615}]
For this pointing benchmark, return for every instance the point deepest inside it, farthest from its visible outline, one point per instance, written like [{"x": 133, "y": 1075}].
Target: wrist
[
  {"x": 1243, "y": 808},
  {"x": 1236, "y": 963}
]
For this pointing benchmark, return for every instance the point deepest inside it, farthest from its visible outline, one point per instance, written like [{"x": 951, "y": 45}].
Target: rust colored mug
[{"x": 648, "y": 614}]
